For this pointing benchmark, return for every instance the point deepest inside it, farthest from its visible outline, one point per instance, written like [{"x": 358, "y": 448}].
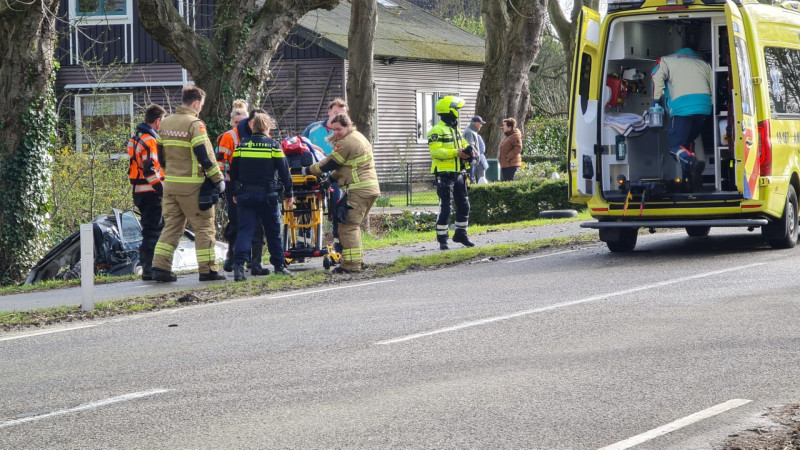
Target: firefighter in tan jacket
[
  {"x": 354, "y": 169},
  {"x": 188, "y": 160}
]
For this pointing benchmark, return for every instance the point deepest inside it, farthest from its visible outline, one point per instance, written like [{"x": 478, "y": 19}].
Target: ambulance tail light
[{"x": 764, "y": 149}]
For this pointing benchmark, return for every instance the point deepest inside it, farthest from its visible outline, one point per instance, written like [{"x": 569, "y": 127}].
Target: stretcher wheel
[{"x": 327, "y": 263}]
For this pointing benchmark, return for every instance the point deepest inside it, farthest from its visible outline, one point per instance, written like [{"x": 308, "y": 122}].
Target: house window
[
  {"x": 426, "y": 112},
  {"x": 100, "y": 12},
  {"x": 101, "y": 8},
  {"x": 103, "y": 122}
]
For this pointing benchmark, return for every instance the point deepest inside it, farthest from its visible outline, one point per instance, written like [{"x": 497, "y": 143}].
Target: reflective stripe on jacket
[
  {"x": 144, "y": 171},
  {"x": 226, "y": 145},
  {"x": 444, "y": 142},
  {"x": 356, "y": 168},
  {"x": 179, "y": 134}
]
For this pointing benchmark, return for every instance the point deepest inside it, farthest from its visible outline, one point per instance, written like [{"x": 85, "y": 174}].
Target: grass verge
[{"x": 256, "y": 286}]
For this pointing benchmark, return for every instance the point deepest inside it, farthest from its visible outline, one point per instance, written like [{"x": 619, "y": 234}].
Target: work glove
[{"x": 221, "y": 186}]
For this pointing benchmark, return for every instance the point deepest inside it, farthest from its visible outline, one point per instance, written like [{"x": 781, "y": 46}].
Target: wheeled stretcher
[{"x": 303, "y": 224}]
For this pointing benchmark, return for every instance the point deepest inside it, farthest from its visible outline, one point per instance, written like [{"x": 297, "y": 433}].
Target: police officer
[
  {"x": 257, "y": 195},
  {"x": 188, "y": 160},
  {"x": 354, "y": 169},
  {"x": 450, "y": 164},
  {"x": 145, "y": 175}
]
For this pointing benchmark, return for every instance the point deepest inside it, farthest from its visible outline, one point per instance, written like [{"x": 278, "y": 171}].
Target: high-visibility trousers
[
  {"x": 350, "y": 231},
  {"x": 178, "y": 210}
]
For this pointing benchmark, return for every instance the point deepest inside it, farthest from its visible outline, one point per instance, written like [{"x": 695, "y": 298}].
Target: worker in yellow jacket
[{"x": 188, "y": 161}]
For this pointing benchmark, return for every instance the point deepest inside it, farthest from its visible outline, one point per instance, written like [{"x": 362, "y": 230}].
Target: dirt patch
[{"x": 781, "y": 431}]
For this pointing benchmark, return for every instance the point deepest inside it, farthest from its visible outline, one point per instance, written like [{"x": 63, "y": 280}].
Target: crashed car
[{"x": 117, "y": 237}]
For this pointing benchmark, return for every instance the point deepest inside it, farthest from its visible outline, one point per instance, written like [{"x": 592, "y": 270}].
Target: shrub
[
  {"x": 546, "y": 143},
  {"x": 515, "y": 201},
  {"x": 89, "y": 183}
]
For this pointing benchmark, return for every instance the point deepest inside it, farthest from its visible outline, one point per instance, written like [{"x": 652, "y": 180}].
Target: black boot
[
  {"x": 462, "y": 239},
  {"x": 443, "y": 243},
  {"x": 212, "y": 276},
  {"x": 163, "y": 275},
  {"x": 256, "y": 252},
  {"x": 696, "y": 175},
  {"x": 238, "y": 272}
]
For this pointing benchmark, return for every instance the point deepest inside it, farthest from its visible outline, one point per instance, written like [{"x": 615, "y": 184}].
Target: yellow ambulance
[{"x": 619, "y": 159}]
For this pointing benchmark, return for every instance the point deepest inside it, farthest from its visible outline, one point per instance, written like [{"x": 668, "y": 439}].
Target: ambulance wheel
[
  {"x": 326, "y": 263},
  {"x": 698, "y": 231},
  {"x": 783, "y": 233},
  {"x": 625, "y": 241}
]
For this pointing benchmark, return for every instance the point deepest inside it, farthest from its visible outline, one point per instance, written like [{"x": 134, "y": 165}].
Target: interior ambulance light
[{"x": 621, "y": 5}]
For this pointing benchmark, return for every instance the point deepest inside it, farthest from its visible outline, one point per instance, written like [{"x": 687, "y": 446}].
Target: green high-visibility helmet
[{"x": 450, "y": 104}]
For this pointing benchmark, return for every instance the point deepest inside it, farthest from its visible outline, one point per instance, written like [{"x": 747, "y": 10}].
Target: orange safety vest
[
  {"x": 145, "y": 171},
  {"x": 226, "y": 145}
]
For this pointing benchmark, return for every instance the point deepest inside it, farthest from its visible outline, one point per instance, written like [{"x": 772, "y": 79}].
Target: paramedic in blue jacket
[
  {"x": 683, "y": 79},
  {"x": 320, "y": 136}
]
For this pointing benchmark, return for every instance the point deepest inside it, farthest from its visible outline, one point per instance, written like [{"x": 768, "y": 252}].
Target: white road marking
[
  {"x": 39, "y": 333},
  {"x": 678, "y": 424},
  {"x": 336, "y": 288},
  {"x": 540, "y": 256},
  {"x": 489, "y": 320},
  {"x": 85, "y": 406}
]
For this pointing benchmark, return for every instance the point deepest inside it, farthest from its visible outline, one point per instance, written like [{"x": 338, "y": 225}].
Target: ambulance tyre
[
  {"x": 698, "y": 231},
  {"x": 783, "y": 233},
  {"x": 621, "y": 240}
]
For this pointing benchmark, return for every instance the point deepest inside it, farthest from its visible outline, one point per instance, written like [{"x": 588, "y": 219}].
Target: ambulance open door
[
  {"x": 584, "y": 112},
  {"x": 744, "y": 126}
]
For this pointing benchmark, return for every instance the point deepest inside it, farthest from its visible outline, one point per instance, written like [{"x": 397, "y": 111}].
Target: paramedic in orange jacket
[{"x": 146, "y": 177}]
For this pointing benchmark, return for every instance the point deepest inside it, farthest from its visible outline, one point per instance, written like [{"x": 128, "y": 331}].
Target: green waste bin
[{"x": 493, "y": 172}]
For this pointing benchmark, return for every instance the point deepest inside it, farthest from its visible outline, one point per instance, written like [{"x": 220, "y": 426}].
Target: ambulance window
[
  {"x": 745, "y": 80},
  {"x": 783, "y": 79},
  {"x": 584, "y": 80}
]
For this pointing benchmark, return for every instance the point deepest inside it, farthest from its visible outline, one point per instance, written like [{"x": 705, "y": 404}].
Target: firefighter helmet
[{"x": 449, "y": 105}]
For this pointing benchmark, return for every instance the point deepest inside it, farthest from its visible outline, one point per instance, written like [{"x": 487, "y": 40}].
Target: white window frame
[
  {"x": 100, "y": 19},
  {"x": 127, "y": 102},
  {"x": 426, "y": 112}
]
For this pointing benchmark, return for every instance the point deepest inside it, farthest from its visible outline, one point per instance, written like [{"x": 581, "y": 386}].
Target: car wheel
[
  {"x": 625, "y": 242},
  {"x": 698, "y": 231},
  {"x": 786, "y": 225}
]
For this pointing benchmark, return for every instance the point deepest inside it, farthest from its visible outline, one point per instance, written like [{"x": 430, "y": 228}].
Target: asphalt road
[
  {"x": 102, "y": 292},
  {"x": 576, "y": 348}
]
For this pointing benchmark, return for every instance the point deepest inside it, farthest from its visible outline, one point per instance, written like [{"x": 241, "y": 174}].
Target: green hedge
[{"x": 515, "y": 201}]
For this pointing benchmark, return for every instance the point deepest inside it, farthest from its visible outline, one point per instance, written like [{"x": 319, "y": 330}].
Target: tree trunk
[
  {"x": 360, "y": 57},
  {"x": 513, "y": 37},
  {"x": 234, "y": 63},
  {"x": 566, "y": 29},
  {"x": 27, "y": 131}
]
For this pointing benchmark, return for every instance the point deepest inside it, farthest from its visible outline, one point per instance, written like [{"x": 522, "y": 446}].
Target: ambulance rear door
[
  {"x": 744, "y": 124},
  {"x": 584, "y": 109}
]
